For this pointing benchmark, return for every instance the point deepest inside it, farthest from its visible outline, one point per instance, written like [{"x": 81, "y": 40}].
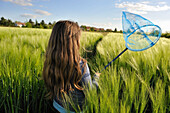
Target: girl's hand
[{"x": 98, "y": 74}]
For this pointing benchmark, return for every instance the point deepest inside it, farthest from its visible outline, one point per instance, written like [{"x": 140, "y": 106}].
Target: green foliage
[
  {"x": 166, "y": 35},
  {"x": 29, "y": 25},
  {"x": 42, "y": 23},
  {"x": 46, "y": 26},
  {"x": 92, "y": 29},
  {"x": 83, "y": 27},
  {"x": 115, "y": 30},
  {"x": 5, "y": 22},
  {"x": 41, "y": 26},
  {"x": 109, "y": 30}
]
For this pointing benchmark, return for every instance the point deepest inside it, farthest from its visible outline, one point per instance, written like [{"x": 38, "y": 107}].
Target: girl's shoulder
[{"x": 84, "y": 69}]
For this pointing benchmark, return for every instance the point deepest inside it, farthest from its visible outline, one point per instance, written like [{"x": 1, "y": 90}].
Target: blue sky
[{"x": 97, "y": 13}]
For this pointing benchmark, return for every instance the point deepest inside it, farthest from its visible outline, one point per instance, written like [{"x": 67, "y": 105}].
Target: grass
[{"x": 136, "y": 82}]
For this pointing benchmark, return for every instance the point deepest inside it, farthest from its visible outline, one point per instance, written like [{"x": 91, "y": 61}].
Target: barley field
[{"x": 137, "y": 82}]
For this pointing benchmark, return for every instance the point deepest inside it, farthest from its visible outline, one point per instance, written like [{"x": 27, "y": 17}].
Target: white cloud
[
  {"x": 29, "y": 15},
  {"x": 163, "y": 24},
  {"x": 162, "y": 3},
  {"x": 109, "y": 24},
  {"x": 42, "y": 12},
  {"x": 117, "y": 19},
  {"x": 20, "y": 2},
  {"x": 39, "y": 13},
  {"x": 142, "y": 7}
]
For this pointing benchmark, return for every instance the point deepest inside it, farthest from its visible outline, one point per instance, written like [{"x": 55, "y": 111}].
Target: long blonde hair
[{"x": 62, "y": 62}]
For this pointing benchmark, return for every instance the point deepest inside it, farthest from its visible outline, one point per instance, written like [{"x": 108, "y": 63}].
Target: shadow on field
[{"x": 90, "y": 51}]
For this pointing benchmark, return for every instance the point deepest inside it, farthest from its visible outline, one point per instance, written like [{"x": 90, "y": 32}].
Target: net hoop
[
  {"x": 159, "y": 35},
  {"x": 139, "y": 27}
]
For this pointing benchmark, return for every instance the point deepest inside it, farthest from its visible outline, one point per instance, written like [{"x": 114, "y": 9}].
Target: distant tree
[
  {"x": 167, "y": 35},
  {"x": 102, "y": 30},
  {"x": 115, "y": 30},
  {"x": 29, "y": 25},
  {"x": 42, "y": 23},
  {"x": 2, "y": 18},
  {"x": 128, "y": 31},
  {"x": 54, "y": 23},
  {"x": 108, "y": 30},
  {"x": 83, "y": 27},
  {"x": 5, "y": 23},
  {"x": 46, "y": 26},
  {"x": 121, "y": 31},
  {"x": 30, "y": 21},
  {"x": 50, "y": 25},
  {"x": 154, "y": 33},
  {"x": 41, "y": 26},
  {"x": 2, "y": 21},
  {"x": 37, "y": 25},
  {"x": 92, "y": 29},
  {"x": 10, "y": 23}
]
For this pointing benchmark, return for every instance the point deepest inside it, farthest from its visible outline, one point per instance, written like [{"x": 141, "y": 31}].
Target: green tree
[
  {"x": 41, "y": 26},
  {"x": 42, "y": 23},
  {"x": 29, "y": 25},
  {"x": 92, "y": 29},
  {"x": 10, "y": 23},
  {"x": 49, "y": 25},
  {"x": 2, "y": 21},
  {"x": 30, "y": 21},
  {"x": 46, "y": 26},
  {"x": 84, "y": 27},
  {"x": 115, "y": 30},
  {"x": 108, "y": 30},
  {"x": 37, "y": 25},
  {"x": 121, "y": 31},
  {"x": 54, "y": 23}
]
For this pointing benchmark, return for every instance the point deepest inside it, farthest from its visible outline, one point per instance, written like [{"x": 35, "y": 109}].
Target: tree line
[
  {"x": 166, "y": 35},
  {"x": 6, "y": 22},
  {"x": 29, "y": 24},
  {"x": 89, "y": 28},
  {"x": 43, "y": 25}
]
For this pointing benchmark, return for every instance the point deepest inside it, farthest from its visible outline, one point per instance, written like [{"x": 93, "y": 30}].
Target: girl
[{"x": 65, "y": 71}]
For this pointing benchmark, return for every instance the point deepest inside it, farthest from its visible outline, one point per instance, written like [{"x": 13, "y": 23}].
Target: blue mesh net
[{"x": 138, "y": 32}]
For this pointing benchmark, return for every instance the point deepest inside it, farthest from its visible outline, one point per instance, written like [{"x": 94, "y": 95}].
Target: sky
[{"x": 97, "y": 13}]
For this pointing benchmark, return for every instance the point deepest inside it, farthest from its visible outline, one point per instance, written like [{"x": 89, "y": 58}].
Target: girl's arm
[{"x": 86, "y": 79}]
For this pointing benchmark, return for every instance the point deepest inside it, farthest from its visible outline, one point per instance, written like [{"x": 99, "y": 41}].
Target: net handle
[{"x": 114, "y": 59}]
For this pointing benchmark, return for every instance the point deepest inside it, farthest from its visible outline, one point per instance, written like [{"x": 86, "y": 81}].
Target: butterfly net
[{"x": 138, "y": 32}]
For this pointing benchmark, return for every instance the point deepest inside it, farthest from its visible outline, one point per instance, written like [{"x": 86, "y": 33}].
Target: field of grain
[{"x": 136, "y": 82}]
